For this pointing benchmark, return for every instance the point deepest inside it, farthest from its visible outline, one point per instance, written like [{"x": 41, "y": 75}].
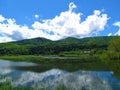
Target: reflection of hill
[{"x": 72, "y": 67}]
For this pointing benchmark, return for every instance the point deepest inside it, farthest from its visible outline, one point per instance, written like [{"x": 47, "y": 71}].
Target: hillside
[
  {"x": 34, "y": 41},
  {"x": 45, "y": 46}
]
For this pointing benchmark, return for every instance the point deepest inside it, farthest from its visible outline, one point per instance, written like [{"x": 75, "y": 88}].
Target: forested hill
[
  {"x": 45, "y": 46},
  {"x": 34, "y": 41}
]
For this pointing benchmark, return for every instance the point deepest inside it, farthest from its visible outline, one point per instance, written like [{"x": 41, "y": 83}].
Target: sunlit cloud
[
  {"x": 117, "y": 24},
  {"x": 1, "y": 18},
  {"x": 110, "y": 34},
  {"x": 36, "y": 16},
  {"x": 68, "y": 24}
]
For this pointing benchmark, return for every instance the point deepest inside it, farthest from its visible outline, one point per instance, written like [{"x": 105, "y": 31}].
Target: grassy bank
[{"x": 51, "y": 59}]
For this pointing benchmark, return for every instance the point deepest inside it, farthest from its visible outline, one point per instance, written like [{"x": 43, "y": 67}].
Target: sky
[{"x": 58, "y": 19}]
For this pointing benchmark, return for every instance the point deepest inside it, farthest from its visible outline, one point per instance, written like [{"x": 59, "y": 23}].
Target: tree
[{"x": 114, "y": 48}]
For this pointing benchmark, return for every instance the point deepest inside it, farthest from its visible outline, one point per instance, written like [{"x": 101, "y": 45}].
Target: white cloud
[
  {"x": 1, "y": 18},
  {"x": 67, "y": 24},
  {"x": 5, "y": 39},
  {"x": 110, "y": 34},
  {"x": 72, "y": 6},
  {"x": 118, "y": 25},
  {"x": 36, "y": 16}
]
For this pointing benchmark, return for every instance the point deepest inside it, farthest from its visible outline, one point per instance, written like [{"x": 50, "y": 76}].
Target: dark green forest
[
  {"x": 45, "y": 46},
  {"x": 69, "y": 46}
]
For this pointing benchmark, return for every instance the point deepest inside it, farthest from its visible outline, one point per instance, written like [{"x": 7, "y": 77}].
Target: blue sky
[{"x": 58, "y": 19}]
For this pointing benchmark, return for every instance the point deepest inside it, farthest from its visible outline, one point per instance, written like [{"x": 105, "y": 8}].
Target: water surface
[{"x": 50, "y": 77}]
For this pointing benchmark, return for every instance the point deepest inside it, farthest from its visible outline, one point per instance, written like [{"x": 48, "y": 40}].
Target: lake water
[{"x": 49, "y": 77}]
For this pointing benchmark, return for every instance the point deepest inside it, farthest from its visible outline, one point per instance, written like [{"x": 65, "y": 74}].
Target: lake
[{"x": 51, "y": 76}]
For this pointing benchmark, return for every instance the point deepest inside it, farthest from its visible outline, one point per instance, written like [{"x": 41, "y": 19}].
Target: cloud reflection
[{"x": 54, "y": 78}]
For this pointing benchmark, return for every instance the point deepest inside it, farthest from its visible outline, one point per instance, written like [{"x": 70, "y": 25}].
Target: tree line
[{"x": 40, "y": 46}]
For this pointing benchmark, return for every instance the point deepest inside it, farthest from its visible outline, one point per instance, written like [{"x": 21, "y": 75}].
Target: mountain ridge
[
  {"x": 46, "y": 46},
  {"x": 68, "y": 39}
]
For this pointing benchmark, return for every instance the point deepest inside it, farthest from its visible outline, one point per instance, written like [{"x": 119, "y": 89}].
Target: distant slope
[
  {"x": 34, "y": 41},
  {"x": 101, "y": 39},
  {"x": 70, "y": 39},
  {"x": 45, "y": 46}
]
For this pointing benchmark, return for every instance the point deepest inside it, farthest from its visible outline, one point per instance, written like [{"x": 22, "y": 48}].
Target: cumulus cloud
[
  {"x": 110, "y": 34},
  {"x": 36, "y": 16},
  {"x": 72, "y": 6},
  {"x": 66, "y": 24},
  {"x": 1, "y": 18},
  {"x": 118, "y": 25},
  {"x": 10, "y": 31}
]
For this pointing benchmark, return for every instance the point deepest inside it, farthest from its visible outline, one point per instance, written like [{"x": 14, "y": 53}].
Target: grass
[
  {"x": 7, "y": 86},
  {"x": 51, "y": 59},
  {"x": 17, "y": 57}
]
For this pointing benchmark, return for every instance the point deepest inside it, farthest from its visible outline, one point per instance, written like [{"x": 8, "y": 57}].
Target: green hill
[
  {"x": 34, "y": 41},
  {"x": 45, "y": 46}
]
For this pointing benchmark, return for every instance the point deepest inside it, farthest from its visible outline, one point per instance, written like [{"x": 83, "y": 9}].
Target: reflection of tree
[{"x": 115, "y": 67}]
